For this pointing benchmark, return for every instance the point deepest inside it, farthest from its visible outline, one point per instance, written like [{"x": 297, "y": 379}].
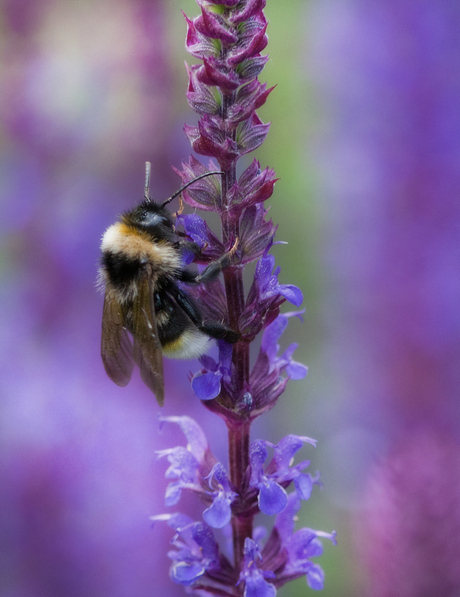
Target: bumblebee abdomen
[
  {"x": 179, "y": 337},
  {"x": 190, "y": 344}
]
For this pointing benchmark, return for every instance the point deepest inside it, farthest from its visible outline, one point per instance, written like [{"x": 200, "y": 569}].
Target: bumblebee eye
[{"x": 152, "y": 219}]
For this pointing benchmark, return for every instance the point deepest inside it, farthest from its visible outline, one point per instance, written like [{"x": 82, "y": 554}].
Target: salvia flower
[
  {"x": 299, "y": 546},
  {"x": 254, "y": 578},
  {"x": 207, "y": 383},
  {"x": 278, "y": 474},
  {"x": 228, "y": 38},
  {"x": 219, "y": 513},
  {"x": 265, "y": 297},
  {"x": 196, "y": 550},
  {"x": 195, "y": 469}
]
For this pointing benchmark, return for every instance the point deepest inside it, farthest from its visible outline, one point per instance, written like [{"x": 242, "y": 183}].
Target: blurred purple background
[
  {"x": 366, "y": 139},
  {"x": 86, "y": 99},
  {"x": 389, "y": 76}
]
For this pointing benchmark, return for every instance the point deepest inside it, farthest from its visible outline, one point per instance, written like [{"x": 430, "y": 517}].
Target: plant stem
[{"x": 238, "y": 444}]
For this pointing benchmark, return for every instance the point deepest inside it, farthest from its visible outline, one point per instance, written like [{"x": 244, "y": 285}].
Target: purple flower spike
[{"x": 228, "y": 38}]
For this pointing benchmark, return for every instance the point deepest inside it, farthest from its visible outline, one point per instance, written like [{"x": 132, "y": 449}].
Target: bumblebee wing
[
  {"x": 147, "y": 347},
  {"x": 116, "y": 347}
]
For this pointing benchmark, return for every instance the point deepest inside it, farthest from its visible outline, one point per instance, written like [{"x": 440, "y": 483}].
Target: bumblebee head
[{"x": 150, "y": 217}]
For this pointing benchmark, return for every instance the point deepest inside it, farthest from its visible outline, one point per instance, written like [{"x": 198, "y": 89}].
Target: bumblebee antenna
[
  {"x": 148, "y": 169},
  {"x": 187, "y": 185}
]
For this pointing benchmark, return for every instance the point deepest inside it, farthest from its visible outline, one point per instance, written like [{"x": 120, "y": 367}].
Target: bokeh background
[{"x": 365, "y": 138}]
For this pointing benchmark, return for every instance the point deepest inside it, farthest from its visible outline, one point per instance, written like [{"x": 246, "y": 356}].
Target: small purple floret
[
  {"x": 196, "y": 549},
  {"x": 219, "y": 513},
  {"x": 279, "y": 473},
  {"x": 254, "y": 577},
  {"x": 269, "y": 285},
  {"x": 207, "y": 383}
]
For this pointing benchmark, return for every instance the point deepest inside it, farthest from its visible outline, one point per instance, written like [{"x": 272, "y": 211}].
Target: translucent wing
[
  {"x": 116, "y": 347},
  {"x": 147, "y": 347}
]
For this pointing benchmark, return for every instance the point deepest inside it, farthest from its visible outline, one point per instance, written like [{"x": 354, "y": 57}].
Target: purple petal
[
  {"x": 291, "y": 293},
  {"x": 196, "y": 228},
  {"x": 204, "y": 538},
  {"x": 225, "y": 355},
  {"x": 315, "y": 577},
  {"x": 264, "y": 269},
  {"x": 285, "y": 450},
  {"x": 206, "y": 385},
  {"x": 257, "y": 456},
  {"x": 257, "y": 586},
  {"x": 303, "y": 486},
  {"x": 177, "y": 521},
  {"x": 183, "y": 464},
  {"x": 194, "y": 434},
  {"x": 172, "y": 495},
  {"x": 219, "y": 512},
  {"x": 296, "y": 370},
  {"x": 272, "y": 498},
  {"x": 185, "y": 573},
  {"x": 285, "y": 519},
  {"x": 208, "y": 363},
  {"x": 219, "y": 474},
  {"x": 271, "y": 336},
  {"x": 303, "y": 545}
]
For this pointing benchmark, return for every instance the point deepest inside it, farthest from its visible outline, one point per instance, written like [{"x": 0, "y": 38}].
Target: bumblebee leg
[
  {"x": 213, "y": 270},
  {"x": 219, "y": 331},
  {"x": 214, "y": 329},
  {"x": 192, "y": 247},
  {"x": 210, "y": 272}
]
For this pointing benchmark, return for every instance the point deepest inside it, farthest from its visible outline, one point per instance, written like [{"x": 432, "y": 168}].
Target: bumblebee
[{"x": 141, "y": 267}]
